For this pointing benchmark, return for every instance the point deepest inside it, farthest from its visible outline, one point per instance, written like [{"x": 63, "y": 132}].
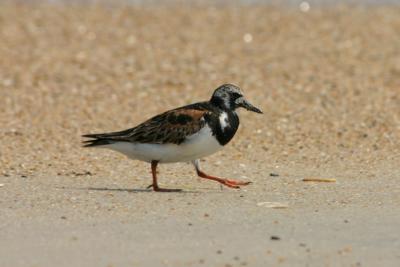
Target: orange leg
[
  {"x": 155, "y": 184},
  {"x": 226, "y": 182}
]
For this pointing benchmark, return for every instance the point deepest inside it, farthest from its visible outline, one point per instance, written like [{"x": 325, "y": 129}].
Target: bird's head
[{"x": 230, "y": 97}]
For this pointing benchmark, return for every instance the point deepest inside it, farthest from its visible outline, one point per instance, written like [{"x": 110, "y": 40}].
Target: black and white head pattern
[{"x": 226, "y": 96}]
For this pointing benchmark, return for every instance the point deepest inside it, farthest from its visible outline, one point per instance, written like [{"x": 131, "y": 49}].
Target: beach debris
[
  {"x": 272, "y": 174},
  {"x": 345, "y": 250},
  {"x": 320, "y": 180},
  {"x": 275, "y": 237},
  {"x": 248, "y": 38},
  {"x": 304, "y": 6},
  {"x": 84, "y": 173},
  {"x": 273, "y": 205}
]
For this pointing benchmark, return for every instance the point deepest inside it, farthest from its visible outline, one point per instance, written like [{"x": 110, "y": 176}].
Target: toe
[
  {"x": 231, "y": 185},
  {"x": 238, "y": 182}
]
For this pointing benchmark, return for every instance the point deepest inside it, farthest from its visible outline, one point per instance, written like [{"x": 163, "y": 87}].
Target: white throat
[{"x": 223, "y": 120}]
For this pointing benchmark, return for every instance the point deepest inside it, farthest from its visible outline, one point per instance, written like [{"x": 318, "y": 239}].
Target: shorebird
[{"x": 184, "y": 134}]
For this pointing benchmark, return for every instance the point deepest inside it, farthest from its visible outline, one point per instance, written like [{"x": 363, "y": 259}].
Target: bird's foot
[
  {"x": 233, "y": 183},
  {"x": 158, "y": 189},
  {"x": 223, "y": 181}
]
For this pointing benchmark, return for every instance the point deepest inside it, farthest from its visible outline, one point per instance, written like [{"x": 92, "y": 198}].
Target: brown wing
[{"x": 169, "y": 127}]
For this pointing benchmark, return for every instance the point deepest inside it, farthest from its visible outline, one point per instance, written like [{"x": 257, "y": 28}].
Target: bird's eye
[{"x": 236, "y": 95}]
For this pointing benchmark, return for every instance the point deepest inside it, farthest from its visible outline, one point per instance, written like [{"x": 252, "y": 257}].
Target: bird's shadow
[{"x": 133, "y": 190}]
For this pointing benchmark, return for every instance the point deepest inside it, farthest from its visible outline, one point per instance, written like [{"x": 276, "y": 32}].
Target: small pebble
[
  {"x": 321, "y": 180},
  {"x": 274, "y": 237},
  {"x": 273, "y": 205},
  {"x": 247, "y": 38}
]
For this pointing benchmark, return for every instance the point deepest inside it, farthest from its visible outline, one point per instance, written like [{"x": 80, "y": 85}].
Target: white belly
[{"x": 196, "y": 146}]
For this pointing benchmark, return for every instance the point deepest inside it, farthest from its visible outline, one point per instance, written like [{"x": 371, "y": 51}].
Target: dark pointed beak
[{"x": 246, "y": 104}]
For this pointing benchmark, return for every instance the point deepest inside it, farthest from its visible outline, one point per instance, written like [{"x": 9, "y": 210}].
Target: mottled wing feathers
[{"x": 169, "y": 127}]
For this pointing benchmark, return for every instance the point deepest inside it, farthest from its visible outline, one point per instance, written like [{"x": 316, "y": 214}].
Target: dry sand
[{"x": 327, "y": 80}]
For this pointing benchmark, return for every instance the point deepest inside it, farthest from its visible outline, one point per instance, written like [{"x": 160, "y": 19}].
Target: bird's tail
[
  {"x": 97, "y": 140},
  {"x": 106, "y": 138}
]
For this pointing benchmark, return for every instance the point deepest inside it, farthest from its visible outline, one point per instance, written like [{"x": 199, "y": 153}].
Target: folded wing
[{"x": 169, "y": 127}]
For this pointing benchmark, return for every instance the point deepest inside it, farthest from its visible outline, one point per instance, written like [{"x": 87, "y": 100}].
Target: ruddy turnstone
[{"x": 181, "y": 135}]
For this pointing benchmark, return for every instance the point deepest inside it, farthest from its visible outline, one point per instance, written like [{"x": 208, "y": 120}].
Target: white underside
[{"x": 196, "y": 146}]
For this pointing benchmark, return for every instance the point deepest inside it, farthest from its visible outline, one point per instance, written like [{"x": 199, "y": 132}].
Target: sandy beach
[{"x": 327, "y": 80}]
